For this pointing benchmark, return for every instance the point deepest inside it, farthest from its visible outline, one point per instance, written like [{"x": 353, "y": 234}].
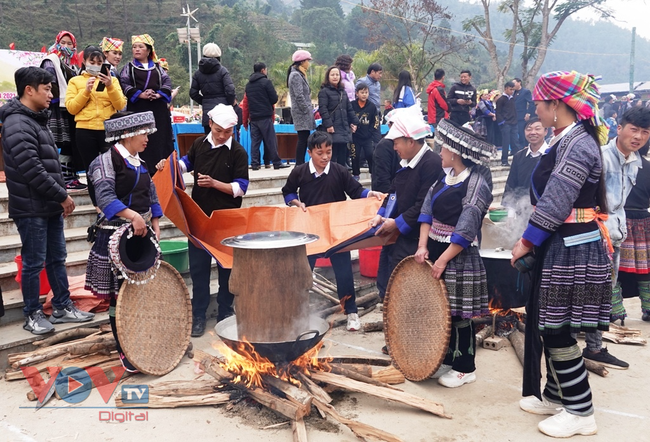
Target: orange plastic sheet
[{"x": 334, "y": 223}]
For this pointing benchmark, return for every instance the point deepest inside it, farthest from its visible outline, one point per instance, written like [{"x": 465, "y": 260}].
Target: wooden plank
[
  {"x": 299, "y": 431},
  {"x": 178, "y": 401},
  {"x": 381, "y": 392}
]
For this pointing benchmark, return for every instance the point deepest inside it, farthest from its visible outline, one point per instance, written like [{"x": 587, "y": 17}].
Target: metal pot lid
[
  {"x": 269, "y": 240},
  {"x": 498, "y": 253}
]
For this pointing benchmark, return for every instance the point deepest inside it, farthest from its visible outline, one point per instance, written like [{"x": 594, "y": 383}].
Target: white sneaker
[
  {"x": 442, "y": 370},
  {"x": 566, "y": 424},
  {"x": 453, "y": 378},
  {"x": 533, "y": 405},
  {"x": 354, "y": 323}
]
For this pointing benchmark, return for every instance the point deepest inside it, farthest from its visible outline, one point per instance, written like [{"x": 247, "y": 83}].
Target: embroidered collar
[
  {"x": 416, "y": 159},
  {"x": 313, "y": 170},
  {"x": 133, "y": 160},
  {"x": 228, "y": 143},
  {"x": 452, "y": 180}
]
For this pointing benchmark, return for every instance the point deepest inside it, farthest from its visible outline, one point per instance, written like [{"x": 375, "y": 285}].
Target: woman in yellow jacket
[{"x": 93, "y": 97}]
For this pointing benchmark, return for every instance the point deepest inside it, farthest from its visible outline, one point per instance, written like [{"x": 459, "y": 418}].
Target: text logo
[
  {"x": 135, "y": 394},
  {"x": 73, "y": 384}
]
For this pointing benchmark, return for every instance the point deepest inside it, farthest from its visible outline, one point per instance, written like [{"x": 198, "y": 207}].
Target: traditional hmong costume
[
  {"x": 634, "y": 270},
  {"x": 454, "y": 208},
  {"x": 121, "y": 181},
  {"x": 135, "y": 79},
  {"x": 62, "y": 62},
  {"x": 571, "y": 280}
]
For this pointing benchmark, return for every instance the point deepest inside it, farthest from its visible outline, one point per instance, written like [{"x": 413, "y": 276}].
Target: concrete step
[
  {"x": 75, "y": 238},
  {"x": 13, "y": 299}
]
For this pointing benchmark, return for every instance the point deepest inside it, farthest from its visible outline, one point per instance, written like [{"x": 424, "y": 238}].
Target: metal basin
[{"x": 277, "y": 352}]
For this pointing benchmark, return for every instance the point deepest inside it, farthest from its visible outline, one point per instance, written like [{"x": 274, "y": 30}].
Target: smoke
[{"x": 506, "y": 233}]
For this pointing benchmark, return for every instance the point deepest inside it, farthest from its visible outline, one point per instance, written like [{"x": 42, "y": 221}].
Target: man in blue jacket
[{"x": 38, "y": 200}]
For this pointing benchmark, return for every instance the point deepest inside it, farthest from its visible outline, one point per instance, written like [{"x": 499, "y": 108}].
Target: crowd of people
[{"x": 584, "y": 193}]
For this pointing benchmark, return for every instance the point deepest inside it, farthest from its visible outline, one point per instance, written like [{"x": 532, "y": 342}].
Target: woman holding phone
[{"x": 92, "y": 97}]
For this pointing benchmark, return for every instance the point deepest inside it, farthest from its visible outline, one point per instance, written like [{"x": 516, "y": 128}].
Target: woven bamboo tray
[
  {"x": 154, "y": 321},
  {"x": 417, "y": 319}
]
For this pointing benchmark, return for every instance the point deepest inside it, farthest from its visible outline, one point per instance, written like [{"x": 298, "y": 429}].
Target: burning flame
[{"x": 249, "y": 367}]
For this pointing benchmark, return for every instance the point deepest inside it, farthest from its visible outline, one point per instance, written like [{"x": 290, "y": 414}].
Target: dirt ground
[{"x": 486, "y": 410}]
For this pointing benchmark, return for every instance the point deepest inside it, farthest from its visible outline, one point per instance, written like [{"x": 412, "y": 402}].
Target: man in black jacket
[
  {"x": 461, "y": 98},
  {"x": 38, "y": 200},
  {"x": 525, "y": 108},
  {"x": 261, "y": 96},
  {"x": 507, "y": 122}
]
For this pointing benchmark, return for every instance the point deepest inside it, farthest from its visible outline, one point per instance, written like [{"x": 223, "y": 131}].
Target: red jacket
[{"x": 437, "y": 102}]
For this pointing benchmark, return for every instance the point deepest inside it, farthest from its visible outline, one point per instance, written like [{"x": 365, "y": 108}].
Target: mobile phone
[{"x": 106, "y": 70}]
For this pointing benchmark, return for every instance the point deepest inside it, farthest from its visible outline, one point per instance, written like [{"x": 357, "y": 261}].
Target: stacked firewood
[
  {"x": 326, "y": 289},
  {"x": 294, "y": 401},
  {"x": 80, "y": 348}
]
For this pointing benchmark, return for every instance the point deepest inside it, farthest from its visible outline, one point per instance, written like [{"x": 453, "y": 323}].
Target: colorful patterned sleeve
[{"x": 578, "y": 161}]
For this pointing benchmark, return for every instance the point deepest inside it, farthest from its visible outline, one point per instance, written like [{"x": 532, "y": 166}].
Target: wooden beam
[{"x": 156, "y": 401}]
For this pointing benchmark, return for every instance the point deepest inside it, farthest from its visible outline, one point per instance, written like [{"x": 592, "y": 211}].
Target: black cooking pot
[
  {"x": 507, "y": 288},
  {"x": 277, "y": 352}
]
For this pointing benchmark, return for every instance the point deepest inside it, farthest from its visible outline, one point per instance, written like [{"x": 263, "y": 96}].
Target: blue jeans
[
  {"x": 43, "y": 242},
  {"x": 200, "y": 267},
  {"x": 342, "y": 266}
]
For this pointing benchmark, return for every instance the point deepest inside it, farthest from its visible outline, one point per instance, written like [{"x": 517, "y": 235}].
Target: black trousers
[
  {"x": 509, "y": 139},
  {"x": 521, "y": 134},
  {"x": 361, "y": 150},
  {"x": 340, "y": 153},
  {"x": 91, "y": 144},
  {"x": 301, "y": 146},
  {"x": 200, "y": 266},
  {"x": 263, "y": 130}
]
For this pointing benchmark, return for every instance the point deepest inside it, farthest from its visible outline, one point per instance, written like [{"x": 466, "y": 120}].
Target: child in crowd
[
  {"x": 321, "y": 181},
  {"x": 367, "y": 133},
  {"x": 613, "y": 126}
]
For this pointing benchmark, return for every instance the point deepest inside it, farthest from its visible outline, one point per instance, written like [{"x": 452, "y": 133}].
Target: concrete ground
[{"x": 486, "y": 410}]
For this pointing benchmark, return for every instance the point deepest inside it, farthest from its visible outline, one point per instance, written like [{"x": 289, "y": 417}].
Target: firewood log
[
  {"x": 362, "y": 431},
  {"x": 314, "y": 389},
  {"x": 379, "y": 362},
  {"x": 292, "y": 392},
  {"x": 65, "y": 361},
  {"x": 325, "y": 295},
  {"x": 517, "y": 340},
  {"x": 485, "y": 333},
  {"x": 373, "y": 326},
  {"x": 390, "y": 375},
  {"x": 338, "y": 369},
  {"x": 73, "y": 333},
  {"x": 362, "y": 369},
  {"x": 178, "y": 401},
  {"x": 595, "y": 367},
  {"x": 93, "y": 347},
  {"x": 299, "y": 431},
  {"x": 381, "y": 392}
]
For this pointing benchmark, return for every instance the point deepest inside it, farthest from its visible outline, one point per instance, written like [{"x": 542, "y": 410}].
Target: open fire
[{"x": 249, "y": 367}]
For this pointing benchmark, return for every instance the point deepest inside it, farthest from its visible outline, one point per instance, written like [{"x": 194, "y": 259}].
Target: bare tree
[
  {"x": 410, "y": 30},
  {"x": 534, "y": 26}
]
